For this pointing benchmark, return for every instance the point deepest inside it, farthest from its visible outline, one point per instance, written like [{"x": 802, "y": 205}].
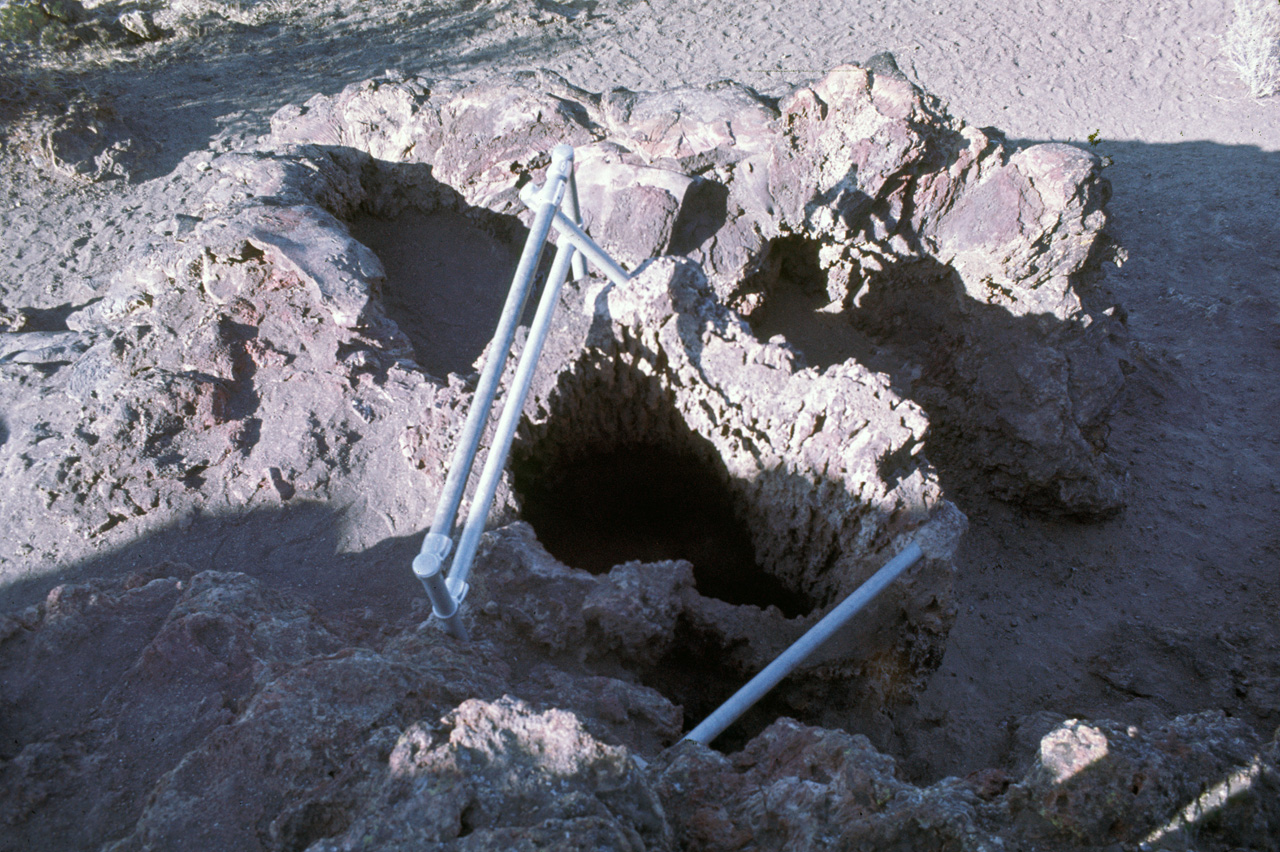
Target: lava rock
[
  {"x": 1202, "y": 779},
  {"x": 960, "y": 257},
  {"x": 219, "y": 715},
  {"x": 797, "y": 787},
  {"x": 802, "y": 455},
  {"x": 499, "y": 775}
]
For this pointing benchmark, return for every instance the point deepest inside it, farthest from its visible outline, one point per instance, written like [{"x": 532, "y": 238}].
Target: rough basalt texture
[
  {"x": 824, "y": 469},
  {"x": 219, "y": 715},
  {"x": 497, "y": 775},
  {"x": 247, "y": 362},
  {"x": 224, "y": 716},
  {"x": 244, "y": 362},
  {"x": 212, "y": 358},
  {"x": 964, "y": 261},
  {"x": 1202, "y": 781},
  {"x": 796, "y": 787}
]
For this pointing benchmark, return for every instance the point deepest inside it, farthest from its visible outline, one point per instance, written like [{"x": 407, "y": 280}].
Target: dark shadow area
[
  {"x": 912, "y": 312},
  {"x": 974, "y": 367},
  {"x": 697, "y": 676},
  {"x": 796, "y": 295},
  {"x": 134, "y": 676},
  {"x": 241, "y": 401},
  {"x": 50, "y": 319},
  {"x": 650, "y": 503},
  {"x": 705, "y": 209},
  {"x": 616, "y": 475},
  {"x": 448, "y": 275},
  {"x": 293, "y": 549}
]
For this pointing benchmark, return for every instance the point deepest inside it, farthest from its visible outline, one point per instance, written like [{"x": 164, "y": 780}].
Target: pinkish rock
[{"x": 896, "y": 203}]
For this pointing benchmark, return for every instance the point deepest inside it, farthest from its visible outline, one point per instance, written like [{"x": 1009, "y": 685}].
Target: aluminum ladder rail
[{"x": 447, "y": 594}]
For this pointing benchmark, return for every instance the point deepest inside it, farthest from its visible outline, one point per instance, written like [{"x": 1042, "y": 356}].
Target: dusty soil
[{"x": 1168, "y": 607}]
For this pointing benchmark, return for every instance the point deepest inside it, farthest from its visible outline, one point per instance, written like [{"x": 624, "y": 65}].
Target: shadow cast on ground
[{"x": 294, "y": 549}]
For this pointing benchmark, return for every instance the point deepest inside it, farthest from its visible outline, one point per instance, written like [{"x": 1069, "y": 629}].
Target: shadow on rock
[
  {"x": 294, "y": 549},
  {"x": 1019, "y": 405},
  {"x": 267, "y": 694}
]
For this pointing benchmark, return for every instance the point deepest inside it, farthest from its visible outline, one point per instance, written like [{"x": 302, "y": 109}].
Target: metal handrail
[
  {"x": 579, "y": 239},
  {"x": 742, "y": 700},
  {"x": 512, "y": 408},
  {"x": 435, "y": 545},
  {"x": 447, "y": 593}
]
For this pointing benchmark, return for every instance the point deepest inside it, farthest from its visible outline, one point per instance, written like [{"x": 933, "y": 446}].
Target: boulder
[
  {"x": 1201, "y": 780},
  {"x": 497, "y": 775}
]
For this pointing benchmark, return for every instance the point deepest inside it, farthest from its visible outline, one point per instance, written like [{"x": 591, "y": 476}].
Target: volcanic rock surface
[
  {"x": 934, "y": 251},
  {"x": 252, "y": 358},
  {"x": 222, "y": 715}
]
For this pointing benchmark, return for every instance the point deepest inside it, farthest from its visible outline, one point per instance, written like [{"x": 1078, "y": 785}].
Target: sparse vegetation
[
  {"x": 1252, "y": 45},
  {"x": 46, "y": 23}
]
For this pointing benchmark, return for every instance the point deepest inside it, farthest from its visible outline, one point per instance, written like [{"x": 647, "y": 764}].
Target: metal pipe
[
  {"x": 505, "y": 432},
  {"x": 574, "y": 212},
  {"x": 578, "y": 239},
  {"x": 521, "y": 285},
  {"x": 726, "y": 714},
  {"x": 427, "y": 565}
]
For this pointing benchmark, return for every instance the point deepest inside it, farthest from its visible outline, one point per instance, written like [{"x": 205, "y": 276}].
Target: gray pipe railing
[
  {"x": 574, "y": 211},
  {"x": 742, "y": 700},
  {"x": 578, "y": 239},
  {"x": 435, "y": 545},
  {"x": 505, "y": 432}
]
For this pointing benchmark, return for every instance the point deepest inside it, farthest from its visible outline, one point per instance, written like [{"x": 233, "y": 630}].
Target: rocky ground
[{"x": 227, "y": 414}]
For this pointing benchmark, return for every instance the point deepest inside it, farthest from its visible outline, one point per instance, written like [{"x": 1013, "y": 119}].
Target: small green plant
[
  {"x": 1095, "y": 137},
  {"x": 1252, "y": 45},
  {"x": 22, "y": 23},
  {"x": 46, "y": 23}
]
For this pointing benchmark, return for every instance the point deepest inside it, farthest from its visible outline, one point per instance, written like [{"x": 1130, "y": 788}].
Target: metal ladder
[{"x": 448, "y": 591}]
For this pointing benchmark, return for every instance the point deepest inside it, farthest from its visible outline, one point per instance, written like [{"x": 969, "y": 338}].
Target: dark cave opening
[
  {"x": 648, "y": 503},
  {"x": 608, "y": 470},
  {"x": 448, "y": 272},
  {"x": 901, "y": 320},
  {"x": 795, "y": 305}
]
